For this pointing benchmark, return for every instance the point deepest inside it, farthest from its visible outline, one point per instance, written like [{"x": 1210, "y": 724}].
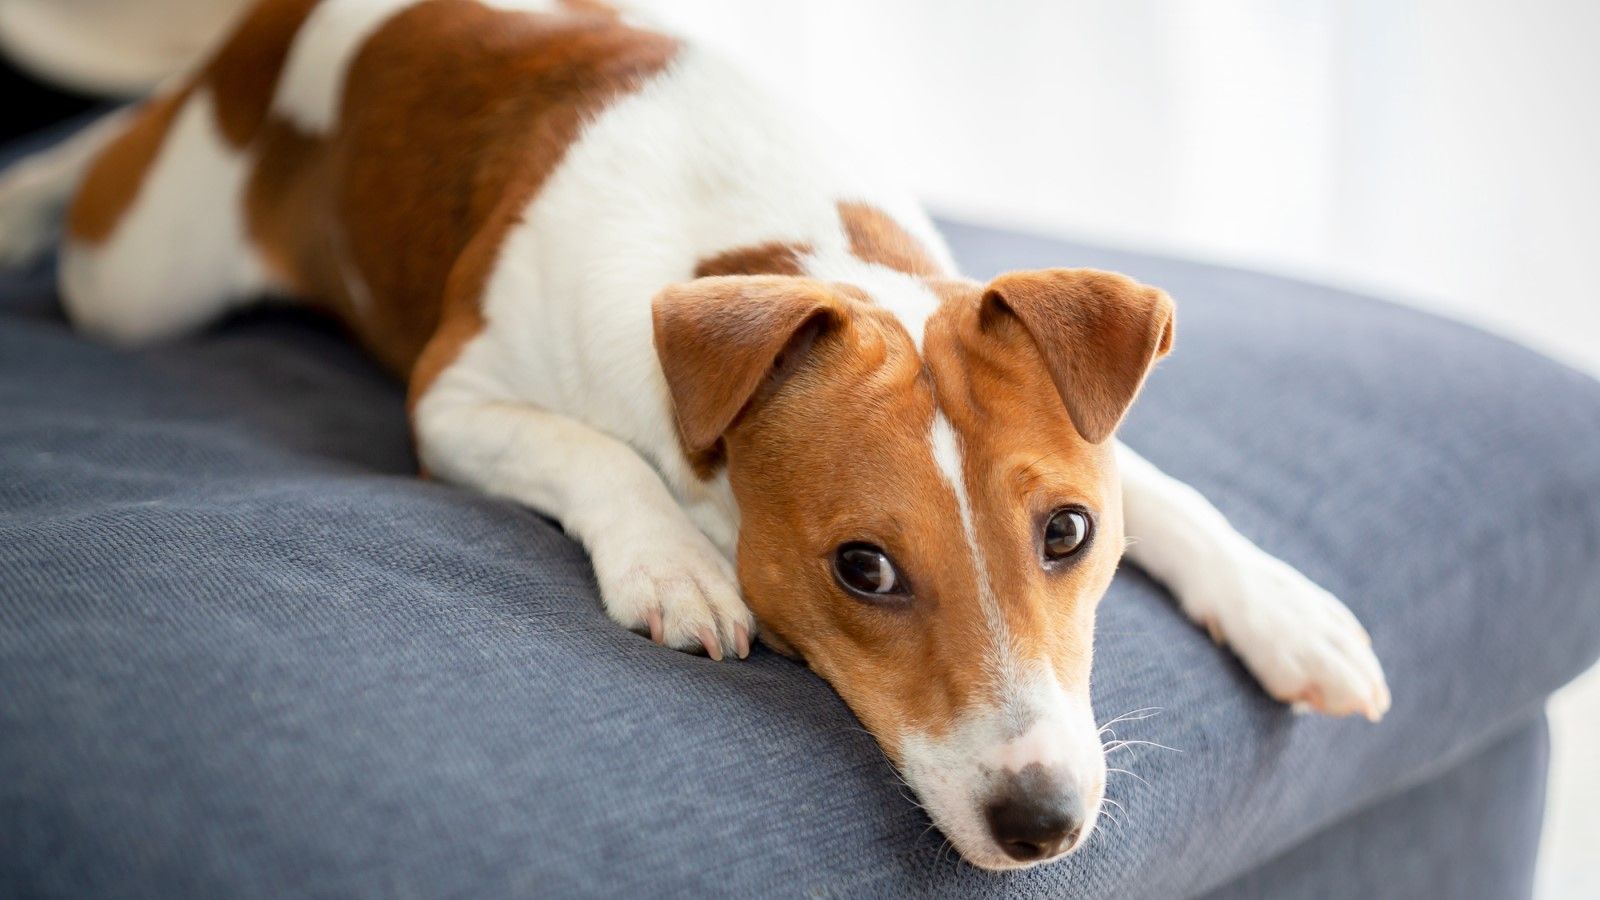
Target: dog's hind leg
[
  {"x": 1298, "y": 640},
  {"x": 34, "y": 190},
  {"x": 157, "y": 242}
]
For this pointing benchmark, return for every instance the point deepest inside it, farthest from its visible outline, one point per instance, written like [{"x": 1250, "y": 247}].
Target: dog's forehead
[
  {"x": 944, "y": 403},
  {"x": 932, "y": 375}
]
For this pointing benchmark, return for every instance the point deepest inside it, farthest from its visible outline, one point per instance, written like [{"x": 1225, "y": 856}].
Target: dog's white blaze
[
  {"x": 1063, "y": 735},
  {"x": 947, "y": 456},
  {"x": 1030, "y": 718},
  {"x": 312, "y": 85}
]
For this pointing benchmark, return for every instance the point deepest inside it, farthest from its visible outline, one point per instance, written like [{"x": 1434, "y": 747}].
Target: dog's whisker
[
  {"x": 938, "y": 859},
  {"x": 1114, "y": 746},
  {"x": 1107, "y": 813},
  {"x": 1131, "y": 774},
  {"x": 1133, "y": 716}
]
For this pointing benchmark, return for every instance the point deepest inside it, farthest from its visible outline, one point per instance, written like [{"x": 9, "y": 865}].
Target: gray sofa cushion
[
  {"x": 243, "y": 651},
  {"x": 1470, "y": 832}
]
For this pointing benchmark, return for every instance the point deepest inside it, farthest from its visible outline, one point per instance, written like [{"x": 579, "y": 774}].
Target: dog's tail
[{"x": 35, "y": 189}]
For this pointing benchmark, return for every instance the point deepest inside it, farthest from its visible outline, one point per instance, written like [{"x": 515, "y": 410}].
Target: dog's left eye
[
  {"x": 1066, "y": 533},
  {"x": 867, "y": 571}
]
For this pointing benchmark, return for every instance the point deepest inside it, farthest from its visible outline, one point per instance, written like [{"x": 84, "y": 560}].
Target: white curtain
[{"x": 1441, "y": 150}]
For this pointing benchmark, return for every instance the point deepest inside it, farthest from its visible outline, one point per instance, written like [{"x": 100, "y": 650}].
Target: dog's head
[{"x": 929, "y": 520}]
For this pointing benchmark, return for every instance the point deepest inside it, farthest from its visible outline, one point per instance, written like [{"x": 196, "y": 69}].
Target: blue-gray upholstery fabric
[
  {"x": 244, "y": 652},
  {"x": 1470, "y": 832}
]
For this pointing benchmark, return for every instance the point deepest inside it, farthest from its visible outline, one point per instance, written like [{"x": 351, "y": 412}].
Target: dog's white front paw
[
  {"x": 1303, "y": 645},
  {"x": 678, "y": 589}
]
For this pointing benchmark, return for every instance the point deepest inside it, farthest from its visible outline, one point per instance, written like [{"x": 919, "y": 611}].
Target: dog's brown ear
[
  {"x": 719, "y": 339},
  {"x": 1099, "y": 333}
]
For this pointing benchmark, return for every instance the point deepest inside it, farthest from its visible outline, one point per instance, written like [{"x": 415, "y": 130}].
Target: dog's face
[{"x": 931, "y": 527}]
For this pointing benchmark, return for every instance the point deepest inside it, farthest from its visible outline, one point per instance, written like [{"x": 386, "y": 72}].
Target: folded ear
[
  {"x": 720, "y": 339},
  {"x": 1098, "y": 332}
]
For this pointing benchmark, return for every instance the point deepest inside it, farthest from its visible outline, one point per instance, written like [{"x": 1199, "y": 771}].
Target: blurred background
[{"x": 1442, "y": 154}]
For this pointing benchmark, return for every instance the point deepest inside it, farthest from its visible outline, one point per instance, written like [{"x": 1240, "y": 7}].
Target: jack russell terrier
[{"x": 637, "y": 294}]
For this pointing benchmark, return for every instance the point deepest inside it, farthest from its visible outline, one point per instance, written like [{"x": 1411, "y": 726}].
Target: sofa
[{"x": 246, "y": 652}]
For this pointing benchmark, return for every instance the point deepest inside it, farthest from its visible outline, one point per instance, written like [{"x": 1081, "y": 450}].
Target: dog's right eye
[{"x": 867, "y": 571}]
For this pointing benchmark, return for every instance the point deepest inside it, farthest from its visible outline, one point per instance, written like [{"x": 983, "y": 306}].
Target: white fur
[
  {"x": 110, "y": 48},
  {"x": 905, "y": 296},
  {"x": 312, "y": 85},
  {"x": 945, "y": 447},
  {"x": 34, "y": 191},
  {"x": 568, "y": 303},
  {"x": 180, "y": 255},
  {"x": 648, "y": 556},
  {"x": 1039, "y": 722},
  {"x": 1301, "y": 643}
]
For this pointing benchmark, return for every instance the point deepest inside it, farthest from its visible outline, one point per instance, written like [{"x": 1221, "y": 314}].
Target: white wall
[{"x": 1442, "y": 150}]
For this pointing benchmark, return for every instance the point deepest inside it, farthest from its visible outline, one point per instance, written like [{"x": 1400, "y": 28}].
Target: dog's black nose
[{"x": 1031, "y": 826}]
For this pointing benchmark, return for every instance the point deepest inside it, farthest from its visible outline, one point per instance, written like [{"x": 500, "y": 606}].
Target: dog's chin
[{"x": 992, "y": 860}]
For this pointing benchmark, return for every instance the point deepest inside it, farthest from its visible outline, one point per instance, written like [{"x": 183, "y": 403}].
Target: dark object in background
[{"x": 31, "y": 105}]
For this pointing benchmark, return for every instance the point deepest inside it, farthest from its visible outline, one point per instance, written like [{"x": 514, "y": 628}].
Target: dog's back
[
  {"x": 346, "y": 153},
  {"x": 374, "y": 156}
]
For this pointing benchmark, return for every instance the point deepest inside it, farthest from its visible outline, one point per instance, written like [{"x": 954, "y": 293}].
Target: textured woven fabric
[
  {"x": 244, "y": 652},
  {"x": 1471, "y": 832}
]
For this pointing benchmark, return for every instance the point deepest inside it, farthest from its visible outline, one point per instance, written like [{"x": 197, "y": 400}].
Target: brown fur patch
[
  {"x": 391, "y": 201},
  {"x": 770, "y": 258},
  {"x": 113, "y": 180},
  {"x": 243, "y": 73},
  {"x": 877, "y": 238},
  {"x": 722, "y": 341}
]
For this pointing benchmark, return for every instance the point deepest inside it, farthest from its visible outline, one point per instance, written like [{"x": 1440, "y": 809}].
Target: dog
[{"x": 636, "y": 293}]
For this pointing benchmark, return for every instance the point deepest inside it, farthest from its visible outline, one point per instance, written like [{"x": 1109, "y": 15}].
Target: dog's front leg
[
  {"x": 657, "y": 572},
  {"x": 1300, "y": 642}
]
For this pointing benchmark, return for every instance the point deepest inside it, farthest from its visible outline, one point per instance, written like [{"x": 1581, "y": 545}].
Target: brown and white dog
[{"x": 635, "y": 293}]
